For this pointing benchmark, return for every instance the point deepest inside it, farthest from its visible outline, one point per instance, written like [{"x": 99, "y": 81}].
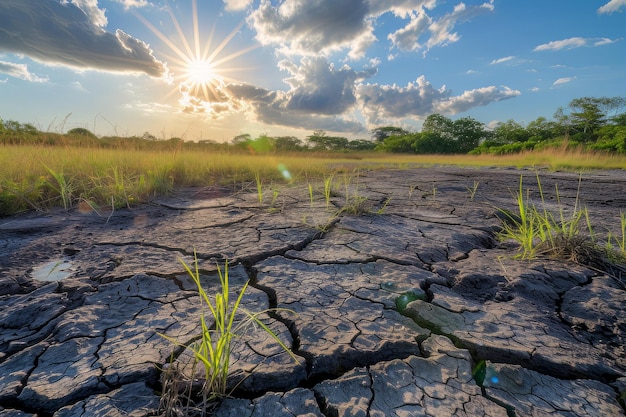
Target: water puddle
[{"x": 54, "y": 270}]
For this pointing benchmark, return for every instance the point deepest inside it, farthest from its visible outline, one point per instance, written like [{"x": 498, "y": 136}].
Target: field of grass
[{"x": 40, "y": 177}]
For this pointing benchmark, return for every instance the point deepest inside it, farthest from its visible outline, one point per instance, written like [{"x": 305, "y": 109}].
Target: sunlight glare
[{"x": 200, "y": 72}]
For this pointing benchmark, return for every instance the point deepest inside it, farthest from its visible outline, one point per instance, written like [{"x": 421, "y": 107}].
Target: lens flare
[{"x": 284, "y": 172}]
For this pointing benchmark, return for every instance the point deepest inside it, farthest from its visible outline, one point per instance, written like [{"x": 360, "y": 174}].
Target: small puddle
[{"x": 54, "y": 270}]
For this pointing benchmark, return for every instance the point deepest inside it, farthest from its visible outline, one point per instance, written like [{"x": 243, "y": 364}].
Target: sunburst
[{"x": 198, "y": 66}]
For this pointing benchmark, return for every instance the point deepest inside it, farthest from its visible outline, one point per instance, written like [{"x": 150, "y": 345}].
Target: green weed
[
  {"x": 218, "y": 329},
  {"x": 259, "y": 186},
  {"x": 275, "y": 193},
  {"x": 382, "y": 208},
  {"x": 473, "y": 189},
  {"x": 618, "y": 242},
  {"x": 311, "y": 194},
  {"x": 328, "y": 189},
  {"x": 411, "y": 190},
  {"x": 63, "y": 187},
  {"x": 522, "y": 226},
  {"x": 540, "y": 232}
]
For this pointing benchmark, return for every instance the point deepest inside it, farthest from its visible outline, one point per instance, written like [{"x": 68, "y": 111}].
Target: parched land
[{"x": 402, "y": 300}]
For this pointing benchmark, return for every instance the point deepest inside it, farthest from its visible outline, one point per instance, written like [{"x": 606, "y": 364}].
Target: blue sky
[{"x": 214, "y": 69}]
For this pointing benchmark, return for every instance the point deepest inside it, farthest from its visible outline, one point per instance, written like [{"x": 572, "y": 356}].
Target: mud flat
[{"x": 409, "y": 307}]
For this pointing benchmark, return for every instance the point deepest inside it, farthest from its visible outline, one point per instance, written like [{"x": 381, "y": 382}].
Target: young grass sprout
[
  {"x": 311, "y": 194},
  {"x": 259, "y": 186},
  {"x": 473, "y": 189},
  {"x": 220, "y": 324}
]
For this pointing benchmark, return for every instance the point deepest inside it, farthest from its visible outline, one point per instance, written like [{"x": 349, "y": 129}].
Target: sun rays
[{"x": 197, "y": 64}]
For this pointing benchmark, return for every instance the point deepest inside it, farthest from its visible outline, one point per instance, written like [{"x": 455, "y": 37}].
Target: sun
[
  {"x": 200, "y": 72},
  {"x": 197, "y": 66},
  {"x": 202, "y": 78}
]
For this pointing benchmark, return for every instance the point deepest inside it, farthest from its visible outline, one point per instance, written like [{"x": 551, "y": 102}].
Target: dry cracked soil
[{"x": 408, "y": 306}]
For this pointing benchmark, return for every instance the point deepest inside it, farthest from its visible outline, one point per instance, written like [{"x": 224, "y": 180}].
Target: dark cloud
[
  {"x": 271, "y": 107},
  {"x": 63, "y": 34},
  {"x": 308, "y": 27},
  {"x": 318, "y": 87}
]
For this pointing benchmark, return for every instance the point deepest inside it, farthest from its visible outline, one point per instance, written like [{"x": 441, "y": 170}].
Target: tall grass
[{"x": 38, "y": 177}]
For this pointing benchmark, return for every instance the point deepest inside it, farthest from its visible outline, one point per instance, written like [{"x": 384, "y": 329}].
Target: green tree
[
  {"x": 587, "y": 117},
  {"x": 433, "y": 143},
  {"x": 619, "y": 120},
  {"x": 541, "y": 129},
  {"x": 242, "y": 141},
  {"x": 563, "y": 122},
  {"x": 262, "y": 144},
  {"x": 361, "y": 145},
  {"x": 81, "y": 131},
  {"x": 509, "y": 132},
  {"x": 320, "y": 141},
  {"x": 287, "y": 143},
  {"x": 381, "y": 133},
  {"x": 439, "y": 125},
  {"x": 467, "y": 133},
  {"x": 611, "y": 104},
  {"x": 398, "y": 144},
  {"x": 459, "y": 136}
]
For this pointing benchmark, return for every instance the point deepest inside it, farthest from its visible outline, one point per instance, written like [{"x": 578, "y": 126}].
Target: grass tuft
[
  {"x": 220, "y": 325},
  {"x": 540, "y": 232}
]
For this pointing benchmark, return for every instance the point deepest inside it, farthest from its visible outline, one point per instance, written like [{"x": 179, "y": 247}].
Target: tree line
[
  {"x": 594, "y": 123},
  {"x": 591, "y": 122}
]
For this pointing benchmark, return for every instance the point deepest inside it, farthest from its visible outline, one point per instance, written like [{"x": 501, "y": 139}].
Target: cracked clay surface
[{"x": 83, "y": 299}]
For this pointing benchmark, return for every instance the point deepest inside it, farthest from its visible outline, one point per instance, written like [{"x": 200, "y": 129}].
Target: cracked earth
[{"x": 412, "y": 309}]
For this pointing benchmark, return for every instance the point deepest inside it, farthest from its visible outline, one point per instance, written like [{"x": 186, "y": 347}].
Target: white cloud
[
  {"x": 20, "y": 71},
  {"x": 77, "y": 86},
  {"x": 502, "y": 60},
  {"x": 474, "y": 98},
  {"x": 564, "y": 80},
  {"x": 381, "y": 102},
  {"x": 442, "y": 29},
  {"x": 419, "y": 99},
  {"x": 407, "y": 38},
  {"x": 237, "y": 4},
  {"x": 605, "y": 41},
  {"x": 612, "y": 6},
  {"x": 572, "y": 43},
  {"x": 91, "y": 9},
  {"x": 129, "y": 4},
  {"x": 314, "y": 27},
  {"x": 69, "y": 35},
  {"x": 400, "y": 8}
]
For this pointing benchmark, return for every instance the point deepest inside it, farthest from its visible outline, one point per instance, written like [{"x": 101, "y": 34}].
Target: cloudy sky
[{"x": 214, "y": 69}]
